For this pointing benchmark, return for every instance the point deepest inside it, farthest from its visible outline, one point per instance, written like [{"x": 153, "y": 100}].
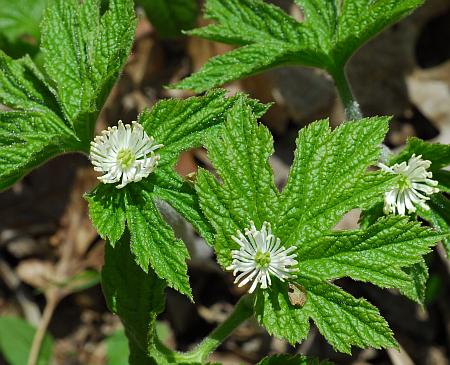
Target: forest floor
[{"x": 45, "y": 230}]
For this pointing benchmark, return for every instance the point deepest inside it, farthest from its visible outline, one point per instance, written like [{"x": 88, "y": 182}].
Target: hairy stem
[
  {"x": 351, "y": 106},
  {"x": 242, "y": 311}
]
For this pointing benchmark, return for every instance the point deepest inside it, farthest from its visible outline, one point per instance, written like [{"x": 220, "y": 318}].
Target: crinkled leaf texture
[
  {"x": 331, "y": 32},
  {"x": 84, "y": 53},
  {"x": 170, "y": 18},
  {"x": 179, "y": 125},
  {"x": 137, "y": 308},
  {"x": 33, "y": 130},
  {"x": 328, "y": 178}
]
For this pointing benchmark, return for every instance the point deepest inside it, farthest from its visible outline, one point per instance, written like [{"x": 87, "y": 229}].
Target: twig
[
  {"x": 399, "y": 357},
  {"x": 53, "y": 299}
]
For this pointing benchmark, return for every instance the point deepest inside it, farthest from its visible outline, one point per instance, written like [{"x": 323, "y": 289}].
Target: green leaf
[
  {"x": 275, "y": 312},
  {"x": 414, "y": 288},
  {"x": 292, "y": 360},
  {"x": 170, "y": 18},
  {"x": 84, "y": 53},
  {"x": 183, "y": 124},
  {"x": 33, "y": 131},
  {"x": 249, "y": 191},
  {"x": 135, "y": 296},
  {"x": 179, "y": 125},
  {"x": 117, "y": 348},
  {"x": 376, "y": 254},
  {"x": 419, "y": 276},
  {"x": 152, "y": 240},
  {"x": 331, "y": 32},
  {"x": 107, "y": 212},
  {"x": 21, "y": 18},
  {"x": 344, "y": 320},
  {"x": 437, "y": 153},
  {"x": 55, "y": 113},
  {"x": 16, "y": 337},
  {"x": 328, "y": 178},
  {"x": 439, "y": 216}
]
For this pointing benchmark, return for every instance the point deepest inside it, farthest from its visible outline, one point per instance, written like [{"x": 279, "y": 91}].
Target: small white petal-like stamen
[
  {"x": 124, "y": 154},
  {"x": 413, "y": 190},
  {"x": 260, "y": 256}
]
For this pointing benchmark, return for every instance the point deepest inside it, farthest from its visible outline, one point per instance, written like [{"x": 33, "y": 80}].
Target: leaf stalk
[
  {"x": 351, "y": 106},
  {"x": 241, "y": 312}
]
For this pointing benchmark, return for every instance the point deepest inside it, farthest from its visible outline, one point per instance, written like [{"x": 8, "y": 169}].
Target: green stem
[
  {"x": 242, "y": 311},
  {"x": 351, "y": 106}
]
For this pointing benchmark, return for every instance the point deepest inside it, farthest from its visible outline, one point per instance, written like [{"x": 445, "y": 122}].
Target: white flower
[
  {"x": 414, "y": 189},
  {"x": 261, "y": 255},
  {"x": 125, "y": 152}
]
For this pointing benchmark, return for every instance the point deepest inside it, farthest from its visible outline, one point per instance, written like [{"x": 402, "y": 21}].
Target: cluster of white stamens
[
  {"x": 413, "y": 190},
  {"x": 260, "y": 256},
  {"x": 124, "y": 153}
]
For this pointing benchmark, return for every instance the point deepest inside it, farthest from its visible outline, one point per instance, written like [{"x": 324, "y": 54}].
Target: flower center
[
  {"x": 262, "y": 259},
  {"x": 405, "y": 183},
  {"x": 126, "y": 158}
]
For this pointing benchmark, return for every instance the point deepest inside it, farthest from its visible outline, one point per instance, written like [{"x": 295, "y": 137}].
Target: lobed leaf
[
  {"x": 331, "y": 32},
  {"x": 328, "y": 178},
  {"x": 32, "y": 131},
  {"x": 84, "y": 53},
  {"x": 240, "y": 152},
  {"x": 153, "y": 241},
  {"x": 344, "y": 320},
  {"x": 55, "y": 112},
  {"x": 178, "y": 125},
  {"x": 376, "y": 254}
]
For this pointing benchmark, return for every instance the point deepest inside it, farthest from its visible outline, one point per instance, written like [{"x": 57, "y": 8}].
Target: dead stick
[{"x": 52, "y": 301}]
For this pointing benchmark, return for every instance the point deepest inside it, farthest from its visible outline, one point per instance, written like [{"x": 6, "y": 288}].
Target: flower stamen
[
  {"x": 260, "y": 256},
  {"x": 124, "y": 153},
  {"x": 414, "y": 187}
]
